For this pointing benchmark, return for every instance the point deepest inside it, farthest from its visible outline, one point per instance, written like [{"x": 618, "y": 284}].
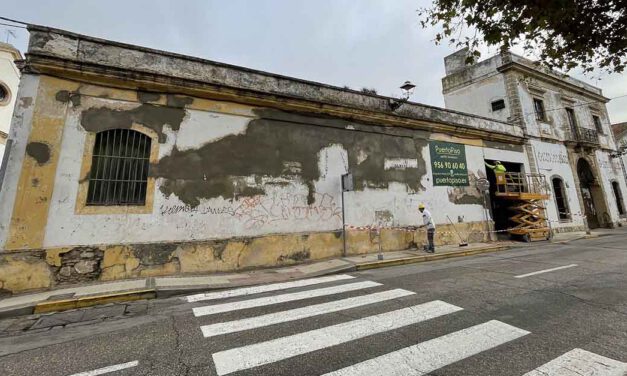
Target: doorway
[
  {"x": 498, "y": 205},
  {"x": 588, "y": 186}
]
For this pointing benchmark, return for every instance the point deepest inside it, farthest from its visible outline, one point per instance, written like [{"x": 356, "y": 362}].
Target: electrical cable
[{"x": 14, "y": 21}]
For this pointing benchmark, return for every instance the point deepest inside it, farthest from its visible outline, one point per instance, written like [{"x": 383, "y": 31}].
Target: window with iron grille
[
  {"x": 498, "y": 105},
  {"x": 619, "y": 198},
  {"x": 560, "y": 199},
  {"x": 538, "y": 105},
  {"x": 119, "y": 168},
  {"x": 597, "y": 124}
]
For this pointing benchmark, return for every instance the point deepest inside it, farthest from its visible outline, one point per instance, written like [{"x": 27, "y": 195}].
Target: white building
[
  {"x": 9, "y": 81},
  {"x": 566, "y": 123}
]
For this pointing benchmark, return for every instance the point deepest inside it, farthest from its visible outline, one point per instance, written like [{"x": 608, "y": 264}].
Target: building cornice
[
  {"x": 512, "y": 65},
  {"x": 86, "y": 59}
]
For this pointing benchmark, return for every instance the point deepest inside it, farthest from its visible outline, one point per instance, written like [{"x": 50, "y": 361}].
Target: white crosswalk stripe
[
  {"x": 580, "y": 362},
  {"x": 246, "y": 357},
  {"x": 434, "y": 354},
  {"x": 269, "y": 300},
  {"x": 418, "y": 359},
  {"x": 266, "y": 288},
  {"x": 301, "y": 313}
]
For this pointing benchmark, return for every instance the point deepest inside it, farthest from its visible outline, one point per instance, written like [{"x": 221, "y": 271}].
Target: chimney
[{"x": 456, "y": 62}]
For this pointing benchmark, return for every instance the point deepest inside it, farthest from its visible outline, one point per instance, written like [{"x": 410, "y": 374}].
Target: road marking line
[
  {"x": 546, "y": 271},
  {"x": 301, "y": 313},
  {"x": 269, "y": 300},
  {"x": 258, "y": 354},
  {"x": 102, "y": 371},
  {"x": 582, "y": 363},
  {"x": 426, "y": 357},
  {"x": 265, "y": 288}
]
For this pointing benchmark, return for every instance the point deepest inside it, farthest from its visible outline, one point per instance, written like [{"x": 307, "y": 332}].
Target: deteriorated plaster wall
[{"x": 236, "y": 187}]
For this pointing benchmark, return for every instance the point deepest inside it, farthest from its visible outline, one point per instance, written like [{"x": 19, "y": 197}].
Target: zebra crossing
[{"x": 418, "y": 359}]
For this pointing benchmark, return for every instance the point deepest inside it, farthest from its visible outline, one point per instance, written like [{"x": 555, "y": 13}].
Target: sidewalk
[{"x": 148, "y": 288}]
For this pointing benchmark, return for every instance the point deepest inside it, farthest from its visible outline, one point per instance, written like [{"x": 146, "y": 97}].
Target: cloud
[{"x": 365, "y": 43}]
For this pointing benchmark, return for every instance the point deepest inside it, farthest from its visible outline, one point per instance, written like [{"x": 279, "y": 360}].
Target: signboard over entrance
[{"x": 448, "y": 164}]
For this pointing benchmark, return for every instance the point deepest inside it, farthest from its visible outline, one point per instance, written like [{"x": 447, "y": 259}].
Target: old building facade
[
  {"x": 567, "y": 127},
  {"x": 9, "y": 81},
  {"x": 131, "y": 162}
]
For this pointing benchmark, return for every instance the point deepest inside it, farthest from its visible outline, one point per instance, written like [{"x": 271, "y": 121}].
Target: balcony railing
[{"x": 587, "y": 136}]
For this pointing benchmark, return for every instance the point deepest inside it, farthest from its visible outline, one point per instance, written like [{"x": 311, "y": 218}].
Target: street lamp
[{"x": 407, "y": 89}]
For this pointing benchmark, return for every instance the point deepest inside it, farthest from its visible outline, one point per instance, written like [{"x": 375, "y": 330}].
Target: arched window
[
  {"x": 119, "y": 168},
  {"x": 619, "y": 198},
  {"x": 561, "y": 202}
]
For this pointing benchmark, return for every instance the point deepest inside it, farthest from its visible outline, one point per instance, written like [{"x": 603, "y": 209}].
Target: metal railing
[
  {"x": 586, "y": 135},
  {"x": 515, "y": 183}
]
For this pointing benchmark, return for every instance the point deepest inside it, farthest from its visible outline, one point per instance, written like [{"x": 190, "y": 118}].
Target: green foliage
[{"x": 564, "y": 33}]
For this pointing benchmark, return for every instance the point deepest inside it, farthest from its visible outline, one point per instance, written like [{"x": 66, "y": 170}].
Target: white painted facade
[
  {"x": 283, "y": 209},
  {"x": 553, "y": 162},
  {"x": 554, "y": 144},
  {"x": 9, "y": 82},
  {"x": 21, "y": 126}
]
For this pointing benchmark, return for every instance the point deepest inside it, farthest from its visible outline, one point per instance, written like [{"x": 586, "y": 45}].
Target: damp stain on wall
[
  {"x": 271, "y": 146},
  {"x": 155, "y": 117},
  {"x": 39, "y": 151}
]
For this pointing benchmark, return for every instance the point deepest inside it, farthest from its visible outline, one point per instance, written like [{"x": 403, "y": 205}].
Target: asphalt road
[{"x": 481, "y": 315}]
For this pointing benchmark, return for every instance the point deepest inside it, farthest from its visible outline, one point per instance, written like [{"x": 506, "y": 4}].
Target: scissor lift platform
[{"x": 528, "y": 191}]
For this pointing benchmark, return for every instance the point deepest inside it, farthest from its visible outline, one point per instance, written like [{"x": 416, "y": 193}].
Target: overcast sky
[{"x": 360, "y": 43}]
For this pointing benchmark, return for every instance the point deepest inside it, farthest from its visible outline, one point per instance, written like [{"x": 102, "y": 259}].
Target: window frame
[
  {"x": 7, "y": 100},
  {"x": 540, "y": 115},
  {"x": 572, "y": 120},
  {"x": 568, "y": 216},
  {"x": 81, "y": 200},
  {"x": 598, "y": 125},
  {"x": 620, "y": 202}
]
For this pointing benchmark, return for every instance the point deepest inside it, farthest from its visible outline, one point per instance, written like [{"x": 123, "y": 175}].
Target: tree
[{"x": 563, "y": 33}]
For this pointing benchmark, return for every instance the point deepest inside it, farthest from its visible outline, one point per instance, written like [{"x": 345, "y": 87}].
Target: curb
[
  {"x": 88, "y": 301},
  {"x": 425, "y": 258},
  {"x": 168, "y": 292},
  {"x": 165, "y": 292}
]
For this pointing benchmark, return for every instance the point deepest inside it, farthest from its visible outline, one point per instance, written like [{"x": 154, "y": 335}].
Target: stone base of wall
[
  {"x": 40, "y": 269},
  {"x": 574, "y": 228}
]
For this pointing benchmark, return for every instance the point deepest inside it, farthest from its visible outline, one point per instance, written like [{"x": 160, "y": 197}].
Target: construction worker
[
  {"x": 427, "y": 221},
  {"x": 499, "y": 172},
  {"x": 498, "y": 167}
]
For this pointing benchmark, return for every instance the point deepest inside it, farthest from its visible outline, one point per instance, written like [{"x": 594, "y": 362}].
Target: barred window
[
  {"x": 119, "y": 168},
  {"x": 561, "y": 202},
  {"x": 498, "y": 105},
  {"x": 618, "y": 196}
]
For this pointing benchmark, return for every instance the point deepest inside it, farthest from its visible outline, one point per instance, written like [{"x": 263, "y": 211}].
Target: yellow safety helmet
[{"x": 421, "y": 206}]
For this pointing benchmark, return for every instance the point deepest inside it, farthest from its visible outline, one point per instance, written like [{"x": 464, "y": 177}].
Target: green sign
[{"x": 448, "y": 163}]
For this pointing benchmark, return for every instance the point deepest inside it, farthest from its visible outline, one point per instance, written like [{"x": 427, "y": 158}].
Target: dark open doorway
[{"x": 499, "y": 206}]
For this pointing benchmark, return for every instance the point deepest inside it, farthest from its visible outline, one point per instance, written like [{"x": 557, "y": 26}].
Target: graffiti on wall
[
  {"x": 554, "y": 158},
  {"x": 260, "y": 210}
]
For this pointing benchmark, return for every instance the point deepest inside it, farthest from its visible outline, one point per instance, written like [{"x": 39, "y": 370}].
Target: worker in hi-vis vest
[{"x": 499, "y": 171}]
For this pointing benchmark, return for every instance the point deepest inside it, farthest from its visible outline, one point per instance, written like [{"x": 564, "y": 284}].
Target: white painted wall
[
  {"x": 9, "y": 77},
  {"x": 611, "y": 170},
  {"x": 477, "y": 98},
  {"x": 20, "y": 129},
  {"x": 283, "y": 209},
  {"x": 552, "y": 160}
]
